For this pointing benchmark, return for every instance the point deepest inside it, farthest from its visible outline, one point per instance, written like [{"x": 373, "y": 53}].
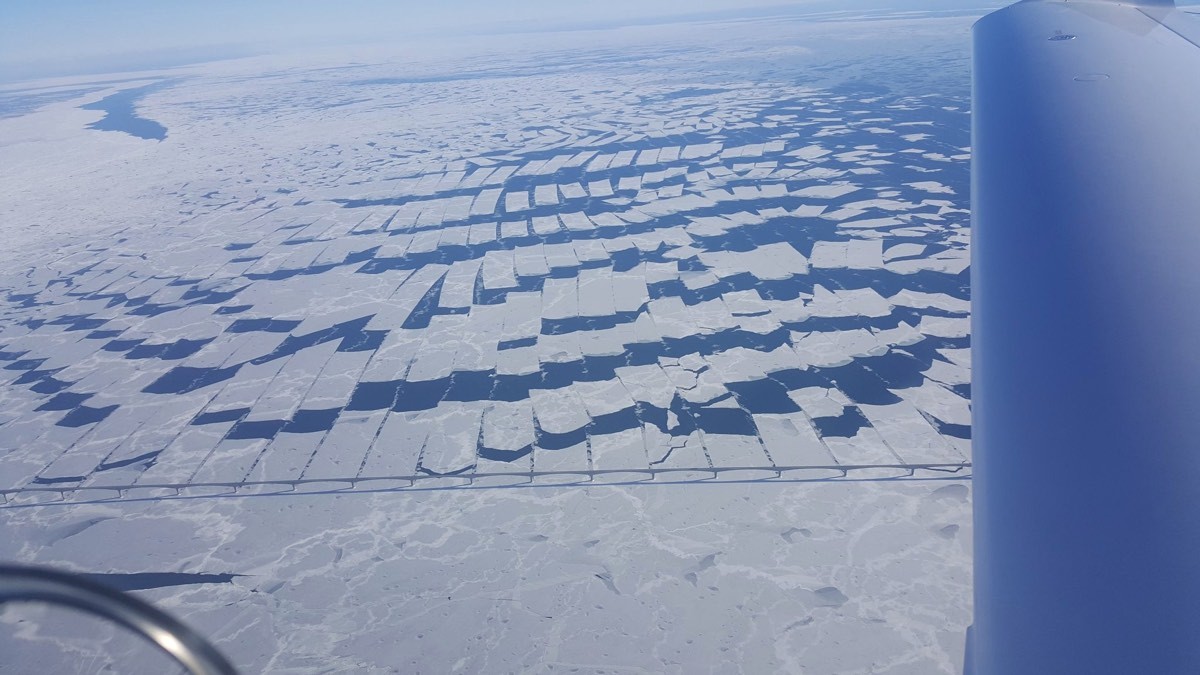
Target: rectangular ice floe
[
  {"x": 672, "y": 317},
  {"x": 903, "y": 334},
  {"x": 648, "y": 384},
  {"x": 835, "y": 348},
  {"x": 458, "y": 208},
  {"x": 697, "y": 279},
  {"x": 336, "y": 381},
  {"x": 596, "y": 292},
  {"x": 558, "y": 411},
  {"x": 666, "y": 206},
  {"x": 76, "y": 463},
  {"x": 397, "y": 309},
  {"x": 561, "y": 256},
  {"x": 478, "y": 351},
  {"x": 187, "y": 452},
  {"x": 622, "y": 158},
  {"x": 230, "y": 461},
  {"x": 560, "y": 298},
  {"x": 856, "y": 302},
  {"x": 454, "y": 236},
  {"x": 512, "y": 229},
  {"x": 600, "y": 162},
  {"x": 906, "y": 250},
  {"x": 853, "y": 222},
  {"x": 577, "y": 222},
  {"x": 945, "y": 326},
  {"x": 771, "y": 261},
  {"x": 444, "y": 338},
  {"x": 590, "y": 251},
  {"x": 545, "y": 195},
  {"x": 701, "y": 150},
  {"x": 909, "y": 434},
  {"x": 841, "y": 214},
  {"x": 458, "y": 286},
  {"x": 476, "y": 177},
  {"x": 865, "y": 447},
  {"x": 853, "y": 254},
  {"x": 676, "y": 451},
  {"x": 647, "y": 157},
  {"x": 939, "y": 402},
  {"x": 424, "y": 241},
  {"x": 959, "y": 357},
  {"x": 498, "y": 272},
  {"x": 607, "y": 341},
  {"x": 931, "y": 187},
  {"x": 922, "y": 300},
  {"x": 530, "y": 261},
  {"x": 579, "y": 158},
  {"x": 624, "y": 449},
  {"x": 559, "y": 348},
  {"x": 741, "y": 364},
  {"x": 252, "y": 380},
  {"x": 629, "y": 291},
  {"x": 452, "y": 440},
  {"x": 629, "y": 183},
  {"x": 575, "y": 457},
  {"x": 949, "y": 374},
  {"x": 555, "y": 163},
  {"x": 508, "y": 427},
  {"x": 602, "y": 398},
  {"x": 764, "y": 324},
  {"x": 518, "y": 361},
  {"x": 952, "y": 261},
  {"x": 791, "y": 440},
  {"x": 516, "y": 201},
  {"x": 700, "y": 386},
  {"x": 522, "y": 316},
  {"x": 482, "y": 233},
  {"x": 810, "y": 152},
  {"x": 34, "y": 441},
  {"x": 500, "y": 175},
  {"x": 398, "y": 446},
  {"x": 293, "y": 382},
  {"x": 285, "y": 458},
  {"x": 344, "y": 448},
  {"x": 531, "y": 168},
  {"x": 607, "y": 220},
  {"x": 730, "y": 450},
  {"x": 832, "y": 191},
  {"x": 393, "y": 358}
]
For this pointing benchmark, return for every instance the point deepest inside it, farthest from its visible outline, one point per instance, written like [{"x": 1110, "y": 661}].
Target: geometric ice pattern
[{"x": 753, "y": 277}]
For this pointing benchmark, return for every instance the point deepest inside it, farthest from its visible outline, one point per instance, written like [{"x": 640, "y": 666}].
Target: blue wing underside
[{"x": 1086, "y": 241}]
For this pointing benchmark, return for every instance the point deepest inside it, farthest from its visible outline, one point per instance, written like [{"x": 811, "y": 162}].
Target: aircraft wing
[{"x": 1086, "y": 338}]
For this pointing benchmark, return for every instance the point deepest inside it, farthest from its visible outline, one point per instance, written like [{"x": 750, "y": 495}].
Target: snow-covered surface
[{"x": 603, "y": 352}]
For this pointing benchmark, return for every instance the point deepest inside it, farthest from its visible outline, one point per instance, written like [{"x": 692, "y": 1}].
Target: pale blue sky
[
  {"x": 65, "y": 29},
  {"x": 62, "y": 36}
]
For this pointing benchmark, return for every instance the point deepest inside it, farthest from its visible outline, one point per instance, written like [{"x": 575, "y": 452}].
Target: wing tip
[{"x": 1130, "y": 3}]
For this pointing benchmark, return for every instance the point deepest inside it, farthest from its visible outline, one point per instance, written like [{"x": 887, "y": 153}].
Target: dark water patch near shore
[{"x": 121, "y": 113}]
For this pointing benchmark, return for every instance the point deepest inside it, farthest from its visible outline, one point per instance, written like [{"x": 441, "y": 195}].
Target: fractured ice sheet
[{"x": 548, "y": 269}]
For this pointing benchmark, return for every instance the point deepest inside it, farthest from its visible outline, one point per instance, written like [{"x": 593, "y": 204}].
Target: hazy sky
[
  {"x": 62, "y": 36},
  {"x": 58, "y": 30}
]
